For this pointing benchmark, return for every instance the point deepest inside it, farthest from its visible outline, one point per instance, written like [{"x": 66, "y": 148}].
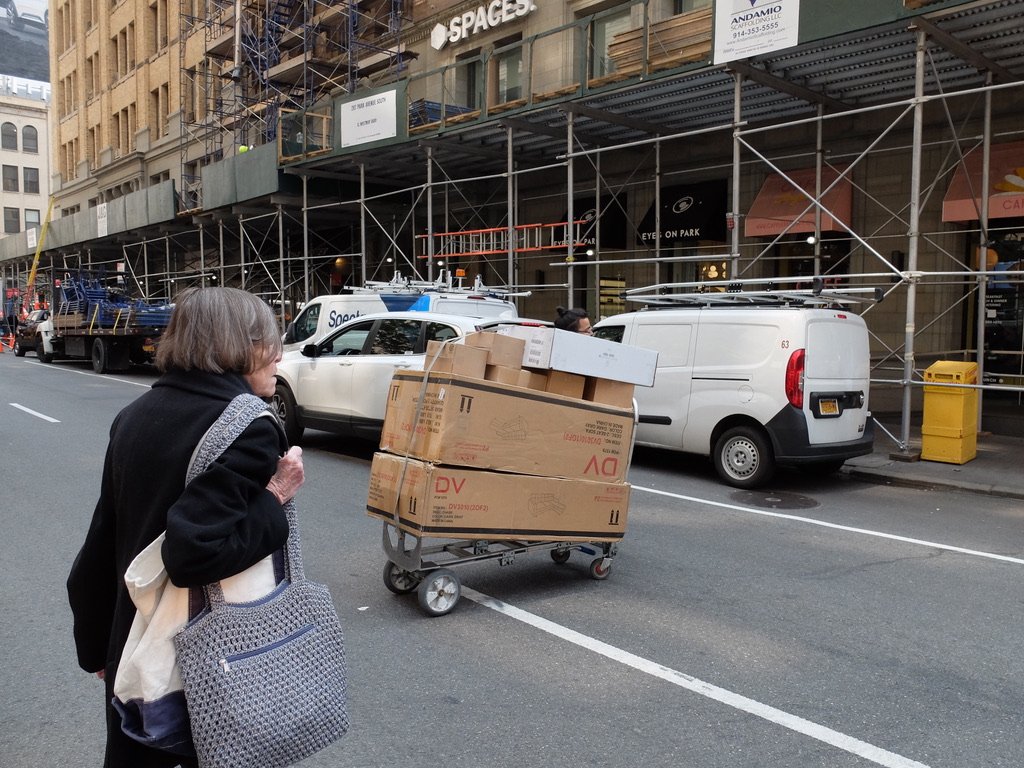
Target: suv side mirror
[{"x": 311, "y": 350}]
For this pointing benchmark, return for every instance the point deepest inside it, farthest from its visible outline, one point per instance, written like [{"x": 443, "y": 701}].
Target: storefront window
[{"x": 1004, "y": 309}]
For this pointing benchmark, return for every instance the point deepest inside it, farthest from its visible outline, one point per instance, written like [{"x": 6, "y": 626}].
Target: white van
[
  {"x": 324, "y": 314},
  {"x": 753, "y": 387}
]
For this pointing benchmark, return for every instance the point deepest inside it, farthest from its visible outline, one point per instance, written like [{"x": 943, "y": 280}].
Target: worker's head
[{"x": 576, "y": 320}]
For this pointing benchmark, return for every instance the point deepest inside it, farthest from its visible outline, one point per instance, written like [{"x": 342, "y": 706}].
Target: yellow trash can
[{"x": 949, "y": 430}]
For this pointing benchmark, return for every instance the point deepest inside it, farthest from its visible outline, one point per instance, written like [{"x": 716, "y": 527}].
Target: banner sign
[{"x": 745, "y": 28}]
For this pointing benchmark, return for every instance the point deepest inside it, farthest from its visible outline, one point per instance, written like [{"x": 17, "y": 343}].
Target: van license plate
[{"x": 828, "y": 407}]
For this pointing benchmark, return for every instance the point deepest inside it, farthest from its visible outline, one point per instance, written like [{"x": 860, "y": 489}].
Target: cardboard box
[
  {"x": 460, "y": 421},
  {"x": 460, "y": 502},
  {"x": 501, "y": 349},
  {"x": 532, "y": 380},
  {"x": 566, "y": 384},
  {"x": 456, "y": 358},
  {"x": 553, "y": 348},
  {"x": 503, "y": 374},
  {"x": 608, "y": 392}
]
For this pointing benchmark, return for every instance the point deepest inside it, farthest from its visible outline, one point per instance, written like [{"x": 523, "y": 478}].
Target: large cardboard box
[
  {"x": 485, "y": 424},
  {"x": 462, "y": 502},
  {"x": 585, "y": 355}
]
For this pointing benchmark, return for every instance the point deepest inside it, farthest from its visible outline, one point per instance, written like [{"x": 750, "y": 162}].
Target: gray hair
[{"x": 219, "y": 330}]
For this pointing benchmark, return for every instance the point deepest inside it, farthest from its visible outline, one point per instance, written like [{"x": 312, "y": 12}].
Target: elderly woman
[{"x": 221, "y": 342}]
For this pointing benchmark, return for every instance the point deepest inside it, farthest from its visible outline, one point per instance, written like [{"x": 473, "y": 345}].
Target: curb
[{"x": 920, "y": 481}]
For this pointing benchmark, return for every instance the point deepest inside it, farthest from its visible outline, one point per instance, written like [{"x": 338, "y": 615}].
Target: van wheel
[
  {"x": 743, "y": 458},
  {"x": 284, "y": 406}
]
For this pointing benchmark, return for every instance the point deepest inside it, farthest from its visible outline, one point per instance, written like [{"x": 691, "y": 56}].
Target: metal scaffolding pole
[
  {"x": 983, "y": 245},
  {"x": 737, "y": 168},
  {"x": 305, "y": 238},
  {"x": 569, "y": 255},
  {"x": 912, "y": 246},
  {"x": 509, "y": 209},
  {"x": 362, "y": 218},
  {"x": 280, "y": 265}
]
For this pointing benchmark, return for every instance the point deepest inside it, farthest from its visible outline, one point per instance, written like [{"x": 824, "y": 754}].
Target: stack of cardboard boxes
[{"x": 522, "y": 435}]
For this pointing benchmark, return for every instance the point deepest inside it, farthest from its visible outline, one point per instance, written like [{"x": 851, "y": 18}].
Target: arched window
[
  {"x": 8, "y": 136},
  {"x": 29, "y": 139}
]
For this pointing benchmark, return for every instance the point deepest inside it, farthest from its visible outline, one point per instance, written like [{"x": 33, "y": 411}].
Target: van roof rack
[
  {"x": 444, "y": 283},
  {"x": 823, "y": 291}
]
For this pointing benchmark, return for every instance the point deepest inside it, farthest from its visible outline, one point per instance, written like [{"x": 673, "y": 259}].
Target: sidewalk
[{"x": 996, "y": 470}]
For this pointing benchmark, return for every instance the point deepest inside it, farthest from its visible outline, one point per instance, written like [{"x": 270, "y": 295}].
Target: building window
[
  {"x": 602, "y": 32},
  {"x": 10, "y": 176},
  {"x": 467, "y": 80},
  {"x": 31, "y": 178},
  {"x": 12, "y": 221},
  {"x": 8, "y": 136},
  {"x": 685, "y": 6},
  {"x": 508, "y": 73},
  {"x": 32, "y": 220},
  {"x": 30, "y": 139}
]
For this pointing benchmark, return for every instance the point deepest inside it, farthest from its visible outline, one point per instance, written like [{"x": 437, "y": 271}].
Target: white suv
[{"x": 340, "y": 383}]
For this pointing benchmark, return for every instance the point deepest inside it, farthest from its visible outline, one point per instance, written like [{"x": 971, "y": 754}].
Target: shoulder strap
[{"x": 239, "y": 414}]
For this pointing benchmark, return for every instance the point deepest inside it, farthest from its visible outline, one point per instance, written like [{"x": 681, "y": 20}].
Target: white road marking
[
  {"x": 786, "y": 720},
  {"x": 35, "y": 413},
  {"x": 105, "y": 377},
  {"x": 836, "y": 526}
]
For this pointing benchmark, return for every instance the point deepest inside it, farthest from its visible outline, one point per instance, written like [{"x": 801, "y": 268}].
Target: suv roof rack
[
  {"x": 444, "y": 283},
  {"x": 757, "y": 291}
]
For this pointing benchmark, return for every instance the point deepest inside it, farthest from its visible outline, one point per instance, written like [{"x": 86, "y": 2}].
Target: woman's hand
[{"x": 289, "y": 476}]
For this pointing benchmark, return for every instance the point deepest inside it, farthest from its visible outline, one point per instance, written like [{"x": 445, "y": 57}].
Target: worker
[{"x": 576, "y": 320}]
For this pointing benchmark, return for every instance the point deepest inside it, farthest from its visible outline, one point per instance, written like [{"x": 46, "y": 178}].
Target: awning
[
  {"x": 779, "y": 204},
  {"x": 689, "y": 213},
  {"x": 1006, "y": 185}
]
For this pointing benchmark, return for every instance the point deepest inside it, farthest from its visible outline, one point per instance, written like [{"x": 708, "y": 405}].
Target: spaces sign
[
  {"x": 476, "y": 20},
  {"x": 368, "y": 119},
  {"x": 746, "y": 28}
]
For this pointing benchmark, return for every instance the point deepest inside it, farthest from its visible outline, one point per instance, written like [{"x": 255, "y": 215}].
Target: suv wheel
[{"x": 284, "y": 406}]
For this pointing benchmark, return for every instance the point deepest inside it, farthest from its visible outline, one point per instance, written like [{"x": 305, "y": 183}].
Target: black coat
[{"x": 222, "y": 523}]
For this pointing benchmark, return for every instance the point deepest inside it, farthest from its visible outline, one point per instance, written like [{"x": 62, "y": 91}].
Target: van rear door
[{"x": 837, "y": 369}]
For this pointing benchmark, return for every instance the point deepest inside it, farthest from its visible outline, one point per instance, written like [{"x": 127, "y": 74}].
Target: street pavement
[{"x": 996, "y": 469}]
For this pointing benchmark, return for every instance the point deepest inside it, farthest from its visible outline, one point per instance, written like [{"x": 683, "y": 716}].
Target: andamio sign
[{"x": 485, "y": 17}]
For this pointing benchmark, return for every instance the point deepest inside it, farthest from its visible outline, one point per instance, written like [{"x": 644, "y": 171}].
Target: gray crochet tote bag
[{"x": 264, "y": 681}]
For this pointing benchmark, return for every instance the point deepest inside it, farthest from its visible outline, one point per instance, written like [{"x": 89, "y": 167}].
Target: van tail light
[{"x": 795, "y": 379}]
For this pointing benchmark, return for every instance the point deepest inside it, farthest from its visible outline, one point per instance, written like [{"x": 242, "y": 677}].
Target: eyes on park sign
[{"x": 485, "y": 17}]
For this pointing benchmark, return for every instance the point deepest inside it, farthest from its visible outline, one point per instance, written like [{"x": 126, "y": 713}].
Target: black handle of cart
[{"x": 427, "y": 569}]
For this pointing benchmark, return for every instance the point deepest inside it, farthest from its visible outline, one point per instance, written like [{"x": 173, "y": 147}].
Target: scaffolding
[
  {"x": 262, "y": 60},
  {"x": 892, "y": 115}
]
